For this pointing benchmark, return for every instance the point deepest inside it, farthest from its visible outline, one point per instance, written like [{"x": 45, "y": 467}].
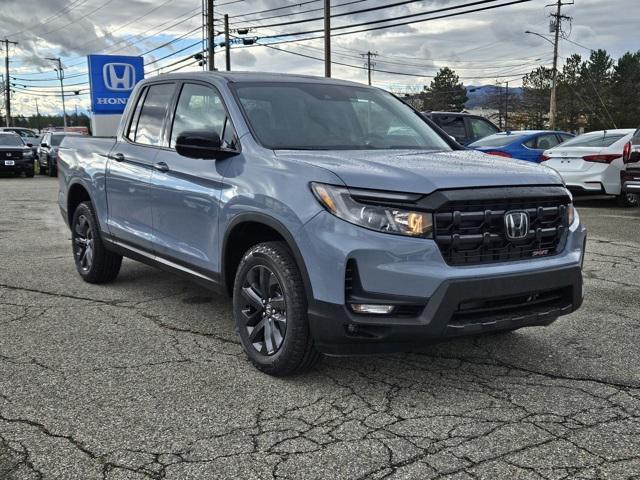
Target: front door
[{"x": 186, "y": 191}]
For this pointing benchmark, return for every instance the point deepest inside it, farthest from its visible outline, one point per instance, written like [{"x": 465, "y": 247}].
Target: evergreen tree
[{"x": 446, "y": 92}]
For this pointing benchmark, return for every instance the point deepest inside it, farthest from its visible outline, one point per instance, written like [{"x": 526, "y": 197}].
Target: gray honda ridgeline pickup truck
[{"x": 338, "y": 218}]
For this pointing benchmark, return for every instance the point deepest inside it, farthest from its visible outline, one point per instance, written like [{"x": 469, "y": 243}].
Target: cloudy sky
[{"x": 482, "y": 47}]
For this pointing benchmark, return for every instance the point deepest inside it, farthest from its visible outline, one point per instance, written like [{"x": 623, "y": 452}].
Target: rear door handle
[
  {"x": 118, "y": 157},
  {"x": 161, "y": 167}
]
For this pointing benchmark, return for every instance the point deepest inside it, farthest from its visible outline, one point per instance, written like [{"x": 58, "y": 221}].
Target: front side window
[
  {"x": 320, "y": 116},
  {"x": 454, "y": 126},
  {"x": 11, "y": 141},
  {"x": 199, "y": 108},
  {"x": 153, "y": 113}
]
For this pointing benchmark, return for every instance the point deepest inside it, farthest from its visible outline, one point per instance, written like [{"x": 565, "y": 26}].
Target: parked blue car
[{"x": 521, "y": 144}]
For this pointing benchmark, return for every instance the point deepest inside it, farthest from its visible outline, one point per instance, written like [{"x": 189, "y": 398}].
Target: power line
[{"x": 373, "y": 22}]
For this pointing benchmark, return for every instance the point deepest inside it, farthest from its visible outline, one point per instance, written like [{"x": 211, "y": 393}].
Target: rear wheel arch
[
  {"x": 77, "y": 194},
  {"x": 247, "y": 230}
]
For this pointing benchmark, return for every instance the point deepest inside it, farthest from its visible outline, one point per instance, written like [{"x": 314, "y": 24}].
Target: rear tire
[
  {"x": 270, "y": 311},
  {"x": 52, "y": 170},
  {"x": 94, "y": 262},
  {"x": 628, "y": 200}
]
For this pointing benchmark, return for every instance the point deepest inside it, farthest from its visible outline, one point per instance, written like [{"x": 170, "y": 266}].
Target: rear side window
[
  {"x": 153, "y": 114},
  {"x": 544, "y": 142},
  {"x": 480, "y": 128},
  {"x": 594, "y": 140}
]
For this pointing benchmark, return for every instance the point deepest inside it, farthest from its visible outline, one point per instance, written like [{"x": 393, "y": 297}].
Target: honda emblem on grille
[{"x": 516, "y": 225}]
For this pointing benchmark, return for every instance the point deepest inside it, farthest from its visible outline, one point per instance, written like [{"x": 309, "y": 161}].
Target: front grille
[
  {"x": 10, "y": 154},
  {"x": 472, "y": 232}
]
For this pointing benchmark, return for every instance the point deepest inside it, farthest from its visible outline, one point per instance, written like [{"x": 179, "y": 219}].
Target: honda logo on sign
[
  {"x": 119, "y": 77},
  {"x": 516, "y": 225}
]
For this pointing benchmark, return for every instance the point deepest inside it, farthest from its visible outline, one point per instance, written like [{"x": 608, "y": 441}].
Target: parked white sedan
[{"x": 592, "y": 163}]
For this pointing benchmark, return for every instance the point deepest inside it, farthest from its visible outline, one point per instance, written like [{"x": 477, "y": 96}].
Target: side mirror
[
  {"x": 29, "y": 145},
  {"x": 44, "y": 145},
  {"x": 203, "y": 144}
]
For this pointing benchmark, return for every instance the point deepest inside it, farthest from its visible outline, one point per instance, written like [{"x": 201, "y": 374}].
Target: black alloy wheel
[
  {"x": 94, "y": 262},
  {"x": 83, "y": 242},
  {"x": 264, "y": 310},
  {"x": 270, "y": 311}
]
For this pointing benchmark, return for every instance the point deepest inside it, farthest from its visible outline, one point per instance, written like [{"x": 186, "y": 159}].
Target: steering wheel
[{"x": 372, "y": 139}]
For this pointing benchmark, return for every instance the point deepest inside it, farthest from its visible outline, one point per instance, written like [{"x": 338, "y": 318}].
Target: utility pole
[
  {"x": 369, "y": 64},
  {"x": 558, "y": 17},
  {"x": 227, "y": 47},
  {"x": 506, "y": 107},
  {"x": 327, "y": 38},
  {"x": 7, "y": 84},
  {"x": 37, "y": 116},
  {"x": 60, "y": 75},
  {"x": 210, "y": 37}
]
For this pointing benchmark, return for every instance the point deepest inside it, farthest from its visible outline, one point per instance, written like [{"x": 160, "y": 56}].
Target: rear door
[
  {"x": 130, "y": 165},
  {"x": 187, "y": 191}
]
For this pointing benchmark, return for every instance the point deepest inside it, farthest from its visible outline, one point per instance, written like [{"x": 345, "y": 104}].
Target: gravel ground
[{"x": 144, "y": 378}]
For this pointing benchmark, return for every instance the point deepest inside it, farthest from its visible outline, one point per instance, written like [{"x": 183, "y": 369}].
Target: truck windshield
[
  {"x": 11, "y": 141},
  {"x": 318, "y": 116}
]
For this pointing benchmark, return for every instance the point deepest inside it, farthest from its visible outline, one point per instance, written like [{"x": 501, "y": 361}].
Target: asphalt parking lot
[{"x": 144, "y": 378}]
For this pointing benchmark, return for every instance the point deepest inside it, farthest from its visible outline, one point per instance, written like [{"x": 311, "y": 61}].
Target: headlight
[
  {"x": 383, "y": 218},
  {"x": 571, "y": 214},
  {"x": 28, "y": 154}
]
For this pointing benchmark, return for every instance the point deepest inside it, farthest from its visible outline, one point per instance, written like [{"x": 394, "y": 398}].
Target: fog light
[{"x": 371, "y": 308}]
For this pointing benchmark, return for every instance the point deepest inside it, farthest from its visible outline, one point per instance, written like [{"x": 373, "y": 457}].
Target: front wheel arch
[{"x": 247, "y": 230}]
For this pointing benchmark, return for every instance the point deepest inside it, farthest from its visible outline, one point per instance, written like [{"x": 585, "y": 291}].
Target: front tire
[
  {"x": 629, "y": 200},
  {"x": 270, "y": 311},
  {"x": 94, "y": 262}
]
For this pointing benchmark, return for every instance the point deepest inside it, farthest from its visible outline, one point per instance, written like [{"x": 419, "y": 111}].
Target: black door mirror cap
[
  {"x": 44, "y": 145},
  {"x": 202, "y": 144}
]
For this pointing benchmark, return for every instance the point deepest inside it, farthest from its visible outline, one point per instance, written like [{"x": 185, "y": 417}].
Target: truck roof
[{"x": 233, "y": 77}]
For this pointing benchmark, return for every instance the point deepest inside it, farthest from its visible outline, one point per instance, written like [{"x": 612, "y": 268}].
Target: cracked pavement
[{"x": 144, "y": 379}]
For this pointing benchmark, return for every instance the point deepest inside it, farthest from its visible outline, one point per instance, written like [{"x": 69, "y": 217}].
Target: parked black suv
[{"x": 464, "y": 127}]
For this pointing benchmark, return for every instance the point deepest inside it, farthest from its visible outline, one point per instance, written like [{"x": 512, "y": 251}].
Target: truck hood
[{"x": 417, "y": 171}]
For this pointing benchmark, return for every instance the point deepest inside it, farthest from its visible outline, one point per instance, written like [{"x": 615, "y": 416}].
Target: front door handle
[
  {"x": 161, "y": 167},
  {"x": 118, "y": 157}
]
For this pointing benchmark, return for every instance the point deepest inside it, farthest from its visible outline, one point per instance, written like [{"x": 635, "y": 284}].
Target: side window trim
[
  {"x": 176, "y": 101},
  {"x": 131, "y": 131}
]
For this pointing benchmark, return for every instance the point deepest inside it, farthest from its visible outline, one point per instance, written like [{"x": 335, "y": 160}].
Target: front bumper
[
  {"x": 413, "y": 270},
  {"x": 338, "y": 331},
  {"x": 599, "y": 178},
  {"x": 20, "y": 165}
]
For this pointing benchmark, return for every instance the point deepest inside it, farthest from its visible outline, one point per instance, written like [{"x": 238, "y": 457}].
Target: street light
[
  {"x": 554, "y": 78},
  {"x": 60, "y": 75}
]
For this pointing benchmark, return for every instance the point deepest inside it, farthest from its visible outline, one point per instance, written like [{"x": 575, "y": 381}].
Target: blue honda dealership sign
[{"x": 112, "y": 78}]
